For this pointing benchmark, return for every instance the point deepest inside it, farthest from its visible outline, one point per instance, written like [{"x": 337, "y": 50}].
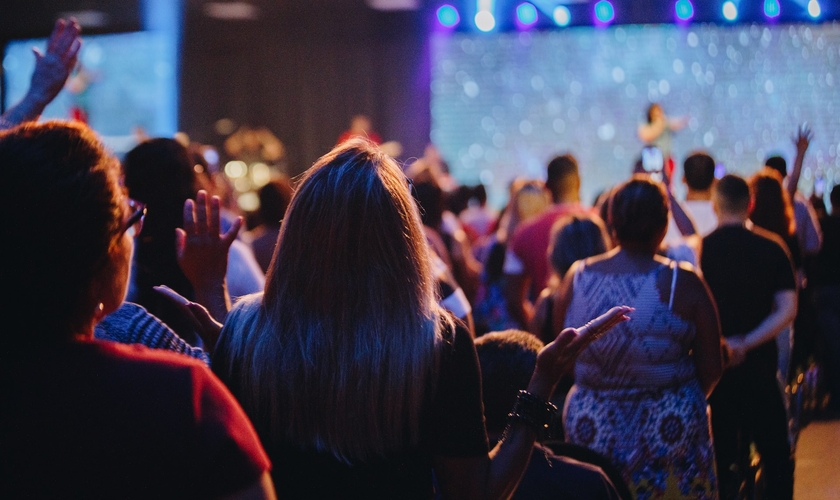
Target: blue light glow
[
  {"x": 485, "y": 21},
  {"x": 772, "y": 8},
  {"x": 448, "y": 16},
  {"x": 814, "y": 9},
  {"x": 604, "y": 11},
  {"x": 526, "y": 13},
  {"x": 562, "y": 16},
  {"x": 684, "y": 9},
  {"x": 730, "y": 11}
]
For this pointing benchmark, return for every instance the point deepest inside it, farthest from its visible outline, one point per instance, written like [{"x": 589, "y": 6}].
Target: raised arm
[
  {"x": 801, "y": 140},
  {"x": 51, "y": 71},
  {"x": 497, "y": 475},
  {"x": 203, "y": 253}
]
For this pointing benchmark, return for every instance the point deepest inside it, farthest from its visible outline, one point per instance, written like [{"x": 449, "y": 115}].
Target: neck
[
  {"x": 694, "y": 195},
  {"x": 728, "y": 219}
]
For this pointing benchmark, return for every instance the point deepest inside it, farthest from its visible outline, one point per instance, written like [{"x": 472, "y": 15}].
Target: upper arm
[
  {"x": 563, "y": 297},
  {"x": 706, "y": 346},
  {"x": 784, "y": 303}
]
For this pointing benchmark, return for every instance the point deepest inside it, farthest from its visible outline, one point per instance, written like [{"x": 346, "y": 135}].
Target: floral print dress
[{"x": 636, "y": 398}]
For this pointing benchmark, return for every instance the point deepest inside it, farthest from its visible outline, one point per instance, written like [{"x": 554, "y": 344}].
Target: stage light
[
  {"x": 685, "y": 10},
  {"x": 526, "y": 13},
  {"x": 485, "y": 21},
  {"x": 562, "y": 16},
  {"x": 814, "y": 9},
  {"x": 730, "y": 11},
  {"x": 604, "y": 11},
  {"x": 448, "y": 16},
  {"x": 772, "y": 8}
]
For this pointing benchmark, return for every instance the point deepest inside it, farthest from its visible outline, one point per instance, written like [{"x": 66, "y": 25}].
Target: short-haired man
[
  {"x": 751, "y": 278},
  {"x": 526, "y": 265},
  {"x": 699, "y": 176}
]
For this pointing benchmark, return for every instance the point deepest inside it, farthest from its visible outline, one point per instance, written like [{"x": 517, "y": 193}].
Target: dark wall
[{"x": 305, "y": 74}]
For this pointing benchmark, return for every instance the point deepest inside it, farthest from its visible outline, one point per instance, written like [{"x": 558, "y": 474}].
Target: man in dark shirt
[
  {"x": 827, "y": 283},
  {"x": 751, "y": 278}
]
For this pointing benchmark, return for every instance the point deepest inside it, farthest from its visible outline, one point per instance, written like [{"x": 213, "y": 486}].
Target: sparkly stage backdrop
[{"x": 503, "y": 104}]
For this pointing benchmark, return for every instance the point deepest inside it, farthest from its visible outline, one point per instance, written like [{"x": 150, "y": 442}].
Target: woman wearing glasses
[{"x": 89, "y": 419}]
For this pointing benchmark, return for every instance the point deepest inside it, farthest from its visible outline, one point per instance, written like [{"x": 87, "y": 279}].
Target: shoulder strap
[
  {"x": 674, "y": 270},
  {"x": 578, "y": 271}
]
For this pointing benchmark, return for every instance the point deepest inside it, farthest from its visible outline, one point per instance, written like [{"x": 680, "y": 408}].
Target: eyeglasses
[{"x": 134, "y": 224}]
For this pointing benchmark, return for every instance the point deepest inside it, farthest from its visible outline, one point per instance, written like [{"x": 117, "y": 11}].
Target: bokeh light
[
  {"x": 562, "y": 16},
  {"x": 448, "y": 16}
]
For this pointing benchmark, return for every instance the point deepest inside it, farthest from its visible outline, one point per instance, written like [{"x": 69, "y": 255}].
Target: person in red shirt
[
  {"x": 526, "y": 262},
  {"x": 84, "y": 418}
]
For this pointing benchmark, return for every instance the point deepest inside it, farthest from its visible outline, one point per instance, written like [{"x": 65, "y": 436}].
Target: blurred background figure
[
  {"x": 274, "y": 200},
  {"x": 360, "y": 126},
  {"x": 659, "y": 131}
]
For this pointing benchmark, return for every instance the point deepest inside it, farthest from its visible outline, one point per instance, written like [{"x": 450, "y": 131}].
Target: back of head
[
  {"x": 778, "y": 164},
  {"x": 61, "y": 215},
  {"x": 699, "y": 171},
  {"x": 639, "y": 213},
  {"x": 771, "y": 208},
  {"x": 274, "y": 200},
  {"x": 159, "y": 172},
  {"x": 573, "y": 238},
  {"x": 732, "y": 195},
  {"x": 563, "y": 179},
  {"x": 507, "y": 362},
  {"x": 350, "y": 298},
  {"x": 429, "y": 197}
]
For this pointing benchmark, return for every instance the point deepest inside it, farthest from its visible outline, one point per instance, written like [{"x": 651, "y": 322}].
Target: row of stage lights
[{"x": 527, "y": 14}]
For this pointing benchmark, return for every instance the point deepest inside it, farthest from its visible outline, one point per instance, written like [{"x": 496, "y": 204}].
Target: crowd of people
[{"x": 385, "y": 334}]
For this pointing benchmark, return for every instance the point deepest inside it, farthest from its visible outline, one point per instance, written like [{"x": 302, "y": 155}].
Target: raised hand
[
  {"x": 203, "y": 252},
  {"x": 802, "y": 139},
  {"x": 558, "y": 358},
  {"x": 203, "y": 323},
  {"x": 53, "y": 67}
]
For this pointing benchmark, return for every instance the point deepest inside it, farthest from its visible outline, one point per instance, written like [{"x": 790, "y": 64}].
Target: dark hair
[
  {"x": 732, "y": 194},
  {"x": 62, "y": 214},
  {"x": 573, "y": 238},
  {"x": 778, "y": 164},
  {"x": 834, "y": 197},
  {"x": 699, "y": 171},
  {"x": 639, "y": 212},
  {"x": 507, "y": 362},
  {"x": 771, "y": 209},
  {"x": 429, "y": 196},
  {"x": 274, "y": 200},
  {"x": 159, "y": 172},
  {"x": 650, "y": 109},
  {"x": 563, "y": 177}
]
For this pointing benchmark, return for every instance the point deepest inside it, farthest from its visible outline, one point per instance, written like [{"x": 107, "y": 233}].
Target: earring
[{"x": 99, "y": 311}]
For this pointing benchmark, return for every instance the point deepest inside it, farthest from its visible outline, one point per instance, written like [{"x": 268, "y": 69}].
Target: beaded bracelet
[{"x": 533, "y": 412}]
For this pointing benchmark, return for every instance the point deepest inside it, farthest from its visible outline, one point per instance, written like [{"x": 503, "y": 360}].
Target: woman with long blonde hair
[{"x": 357, "y": 382}]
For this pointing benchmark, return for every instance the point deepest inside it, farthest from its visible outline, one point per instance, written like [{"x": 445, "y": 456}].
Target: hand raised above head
[
  {"x": 558, "y": 358},
  {"x": 53, "y": 67},
  {"x": 803, "y": 137}
]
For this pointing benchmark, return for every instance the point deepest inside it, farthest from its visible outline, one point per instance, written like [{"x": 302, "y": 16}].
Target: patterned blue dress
[{"x": 636, "y": 398}]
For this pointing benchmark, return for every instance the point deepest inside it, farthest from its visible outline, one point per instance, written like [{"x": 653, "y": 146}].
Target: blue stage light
[
  {"x": 562, "y": 16},
  {"x": 526, "y": 13},
  {"x": 685, "y": 10},
  {"x": 730, "y": 11},
  {"x": 604, "y": 11},
  {"x": 448, "y": 16},
  {"x": 772, "y": 8},
  {"x": 814, "y": 9},
  {"x": 485, "y": 21}
]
